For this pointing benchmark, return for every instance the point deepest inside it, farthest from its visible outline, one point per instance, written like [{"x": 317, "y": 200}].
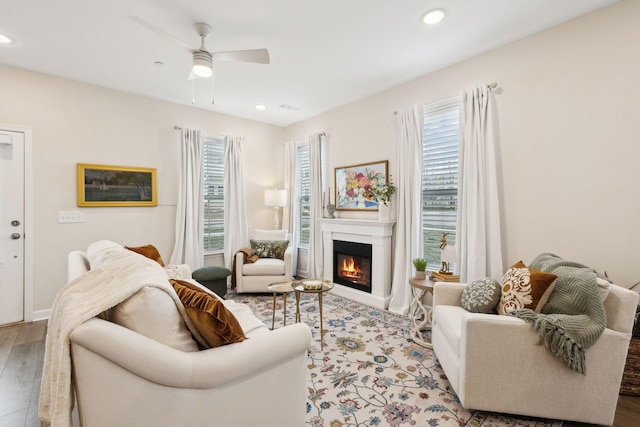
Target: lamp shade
[
  {"x": 275, "y": 197},
  {"x": 448, "y": 254}
]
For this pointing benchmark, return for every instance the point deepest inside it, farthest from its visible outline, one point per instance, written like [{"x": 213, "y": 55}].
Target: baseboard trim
[{"x": 41, "y": 315}]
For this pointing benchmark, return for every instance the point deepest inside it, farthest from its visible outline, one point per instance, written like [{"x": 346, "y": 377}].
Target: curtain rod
[
  {"x": 491, "y": 85},
  {"x": 176, "y": 127}
]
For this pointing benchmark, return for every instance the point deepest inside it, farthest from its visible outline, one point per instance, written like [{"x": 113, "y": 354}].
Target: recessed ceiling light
[
  {"x": 261, "y": 107},
  {"x": 5, "y": 39},
  {"x": 433, "y": 16}
]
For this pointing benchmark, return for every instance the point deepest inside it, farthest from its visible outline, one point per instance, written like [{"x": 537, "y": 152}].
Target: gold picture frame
[
  {"x": 353, "y": 185},
  {"x": 104, "y": 185}
]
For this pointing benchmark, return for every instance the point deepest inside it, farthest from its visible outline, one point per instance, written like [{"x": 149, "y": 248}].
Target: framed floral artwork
[
  {"x": 353, "y": 185},
  {"x": 102, "y": 185}
]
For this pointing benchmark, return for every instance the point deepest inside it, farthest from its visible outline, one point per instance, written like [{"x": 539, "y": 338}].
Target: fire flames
[{"x": 351, "y": 271}]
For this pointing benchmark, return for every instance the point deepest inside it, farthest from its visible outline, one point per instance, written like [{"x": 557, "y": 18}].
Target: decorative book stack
[{"x": 444, "y": 277}]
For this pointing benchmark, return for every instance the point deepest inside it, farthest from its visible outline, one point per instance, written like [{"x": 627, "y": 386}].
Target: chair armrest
[
  {"x": 447, "y": 293},
  {"x": 288, "y": 272},
  {"x": 204, "y": 369}
]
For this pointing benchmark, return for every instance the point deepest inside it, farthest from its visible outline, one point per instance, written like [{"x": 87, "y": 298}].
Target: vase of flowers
[{"x": 382, "y": 192}]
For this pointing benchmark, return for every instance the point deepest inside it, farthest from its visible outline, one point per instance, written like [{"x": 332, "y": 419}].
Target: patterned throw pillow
[
  {"x": 524, "y": 287},
  {"x": 481, "y": 295},
  {"x": 269, "y": 248}
]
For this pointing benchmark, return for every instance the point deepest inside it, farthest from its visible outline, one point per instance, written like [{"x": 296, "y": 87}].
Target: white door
[{"x": 11, "y": 226}]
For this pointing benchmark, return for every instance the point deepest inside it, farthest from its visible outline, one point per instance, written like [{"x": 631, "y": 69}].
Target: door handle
[{"x": 15, "y": 236}]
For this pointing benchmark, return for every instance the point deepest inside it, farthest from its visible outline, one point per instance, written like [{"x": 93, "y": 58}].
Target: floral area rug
[{"x": 370, "y": 373}]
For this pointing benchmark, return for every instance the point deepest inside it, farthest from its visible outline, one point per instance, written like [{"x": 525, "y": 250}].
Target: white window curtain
[
  {"x": 315, "y": 255},
  {"x": 236, "y": 230},
  {"x": 289, "y": 213},
  {"x": 478, "y": 225},
  {"x": 189, "y": 236},
  {"x": 408, "y": 245}
]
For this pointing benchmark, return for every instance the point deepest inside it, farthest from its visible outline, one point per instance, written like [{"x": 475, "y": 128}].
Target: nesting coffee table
[
  {"x": 280, "y": 288},
  {"x": 299, "y": 288}
]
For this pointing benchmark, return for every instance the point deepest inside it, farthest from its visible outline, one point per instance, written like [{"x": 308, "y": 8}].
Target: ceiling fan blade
[
  {"x": 163, "y": 33},
  {"x": 258, "y": 56}
]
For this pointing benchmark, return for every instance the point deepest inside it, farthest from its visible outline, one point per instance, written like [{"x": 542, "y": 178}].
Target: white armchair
[
  {"x": 255, "y": 277},
  {"x": 494, "y": 364}
]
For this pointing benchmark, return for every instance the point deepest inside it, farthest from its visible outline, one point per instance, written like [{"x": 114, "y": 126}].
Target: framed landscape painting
[
  {"x": 102, "y": 185},
  {"x": 353, "y": 185}
]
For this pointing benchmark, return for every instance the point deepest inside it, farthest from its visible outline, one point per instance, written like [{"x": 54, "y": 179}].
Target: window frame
[
  {"x": 302, "y": 177},
  {"x": 213, "y": 175},
  {"x": 441, "y": 173}
]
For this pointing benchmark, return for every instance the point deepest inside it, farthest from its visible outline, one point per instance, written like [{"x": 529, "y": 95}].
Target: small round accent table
[
  {"x": 299, "y": 289},
  {"x": 280, "y": 288},
  {"x": 420, "y": 315}
]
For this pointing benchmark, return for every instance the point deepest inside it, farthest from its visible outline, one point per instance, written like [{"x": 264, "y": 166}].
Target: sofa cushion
[
  {"x": 149, "y": 251},
  {"x": 264, "y": 267},
  {"x": 152, "y": 312},
  {"x": 269, "y": 248},
  {"x": 481, "y": 295},
  {"x": 214, "y": 322},
  {"x": 524, "y": 287}
]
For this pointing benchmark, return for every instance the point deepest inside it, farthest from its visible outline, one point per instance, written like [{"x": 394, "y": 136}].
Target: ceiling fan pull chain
[{"x": 193, "y": 91}]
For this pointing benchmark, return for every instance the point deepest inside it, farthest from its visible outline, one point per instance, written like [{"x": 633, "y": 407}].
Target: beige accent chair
[
  {"x": 257, "y": 276},
  {"x": 494, "y": 363}
]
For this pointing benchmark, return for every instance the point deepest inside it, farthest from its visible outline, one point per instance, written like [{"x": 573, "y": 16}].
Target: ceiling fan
[{"x": 202, "y": 59}]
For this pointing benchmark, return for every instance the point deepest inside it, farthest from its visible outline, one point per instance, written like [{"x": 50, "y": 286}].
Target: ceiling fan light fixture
[
  {"x": 433, "y": 16},
  {"x": 202, "y": 64}
]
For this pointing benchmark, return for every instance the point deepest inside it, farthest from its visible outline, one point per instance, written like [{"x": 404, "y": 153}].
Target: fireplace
[
  {"x": 352, "y": 265},
  {"x": 377, "y": 236}
]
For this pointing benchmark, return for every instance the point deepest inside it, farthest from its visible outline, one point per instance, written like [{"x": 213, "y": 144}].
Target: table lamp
[{"x": 275, "y": 198}]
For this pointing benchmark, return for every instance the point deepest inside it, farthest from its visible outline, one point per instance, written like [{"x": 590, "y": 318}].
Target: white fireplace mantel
[{"x": 379, "y": 235}]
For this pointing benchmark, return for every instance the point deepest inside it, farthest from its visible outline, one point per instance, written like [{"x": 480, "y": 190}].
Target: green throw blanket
[{"x": 574, "y": 318}]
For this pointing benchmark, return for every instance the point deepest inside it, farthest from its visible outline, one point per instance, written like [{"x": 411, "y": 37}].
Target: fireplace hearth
[{"x": 352, "y": 265}]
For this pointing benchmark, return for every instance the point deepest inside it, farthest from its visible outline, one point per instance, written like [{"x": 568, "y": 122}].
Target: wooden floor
[{"x": 22, "y": 354}]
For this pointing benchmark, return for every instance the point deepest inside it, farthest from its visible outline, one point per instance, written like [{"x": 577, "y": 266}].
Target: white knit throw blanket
[{"x": 78, "y": 301}]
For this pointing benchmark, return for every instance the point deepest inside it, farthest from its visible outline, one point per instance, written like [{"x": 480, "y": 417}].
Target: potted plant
[{"x": 421, "y": 265}]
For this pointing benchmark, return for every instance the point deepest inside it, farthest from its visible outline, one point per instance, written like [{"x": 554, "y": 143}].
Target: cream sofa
[
  {"x": 257, "y": 276},
  {"x": 122, "y": 377},
  {"x": 494, "y": 364}
]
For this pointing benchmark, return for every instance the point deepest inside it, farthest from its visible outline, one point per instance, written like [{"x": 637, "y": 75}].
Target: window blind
[
  {"x": 303, "y": 196},
  {"x": 213, "y": 195},
  {"x": 439, "y": 176}
]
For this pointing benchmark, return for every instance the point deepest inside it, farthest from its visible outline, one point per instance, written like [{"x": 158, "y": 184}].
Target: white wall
[
  {"x": 568, "y": 104},
  {"x": 78, "y": 123}
]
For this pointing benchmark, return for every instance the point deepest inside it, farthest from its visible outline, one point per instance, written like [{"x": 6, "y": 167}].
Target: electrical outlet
[{"x": 69, "y": 217}]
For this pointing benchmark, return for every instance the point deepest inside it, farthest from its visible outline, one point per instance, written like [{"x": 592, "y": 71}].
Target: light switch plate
[{"x": 69, "y": 217}]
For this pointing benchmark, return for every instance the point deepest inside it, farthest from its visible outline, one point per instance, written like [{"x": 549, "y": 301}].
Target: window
[
  {"x": 439, "y": 176},
  {"x": 213, "y": 195},
  {"x": 303, "y": 195}
]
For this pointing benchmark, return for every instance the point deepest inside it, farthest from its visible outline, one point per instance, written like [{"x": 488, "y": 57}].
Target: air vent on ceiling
[{"x": 290, "y": 107}]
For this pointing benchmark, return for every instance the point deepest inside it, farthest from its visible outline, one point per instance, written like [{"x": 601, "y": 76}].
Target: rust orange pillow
[
  {"x": 217, "y": 325},
  {"x": 149, "y": 251},
  {"x": 524, "y": 287}
]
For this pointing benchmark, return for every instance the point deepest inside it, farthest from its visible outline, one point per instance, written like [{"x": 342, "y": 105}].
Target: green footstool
[{"x": 214, "y": 278}]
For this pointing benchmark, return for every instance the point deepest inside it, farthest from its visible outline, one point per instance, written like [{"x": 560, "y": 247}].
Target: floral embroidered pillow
[
  {"x": 481, "y": 295},
  {"x": 524, "y": 287},
  {"x": 269, "y": 248}
]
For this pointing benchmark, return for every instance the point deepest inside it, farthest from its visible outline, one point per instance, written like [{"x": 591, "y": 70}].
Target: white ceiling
[{"x": 323, "y": 53}]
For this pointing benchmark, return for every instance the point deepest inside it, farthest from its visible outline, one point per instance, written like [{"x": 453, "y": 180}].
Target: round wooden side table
[{"x": 420, "y": 315}]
